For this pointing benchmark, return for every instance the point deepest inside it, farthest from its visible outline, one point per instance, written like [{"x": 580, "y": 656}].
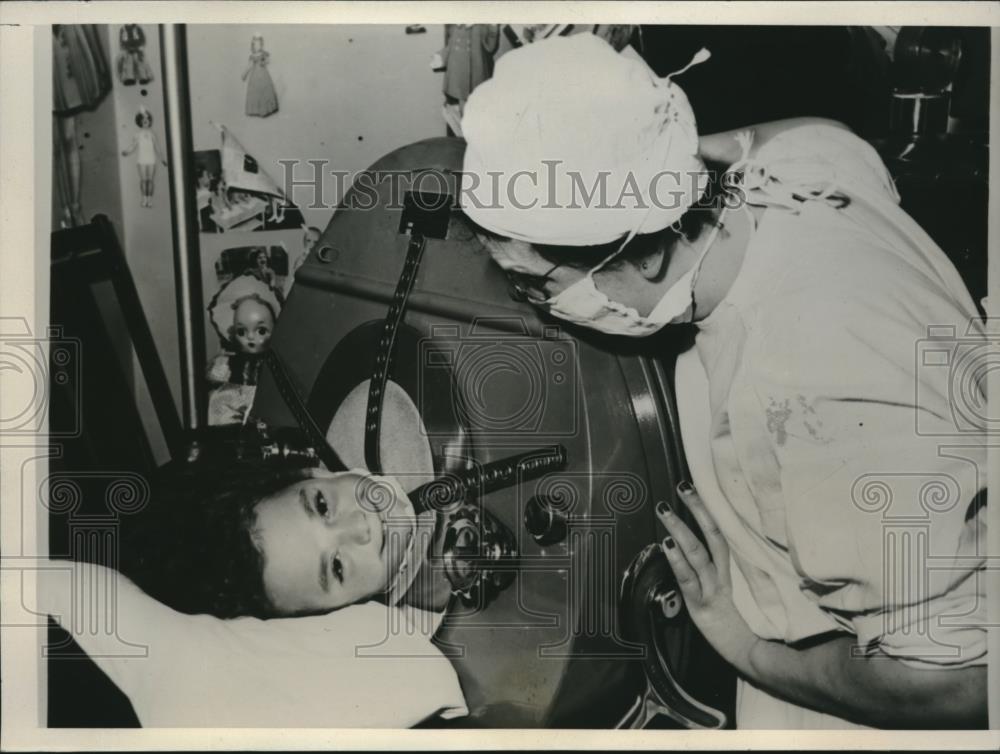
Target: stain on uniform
[
  {"x": 777, "y": 417},
  {"x": 810, "y": 419},
  {"x": 779, "y": 413}
]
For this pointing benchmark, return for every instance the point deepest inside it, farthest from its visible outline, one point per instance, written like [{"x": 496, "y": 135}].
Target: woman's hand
[{"x": 704, "y": 580}]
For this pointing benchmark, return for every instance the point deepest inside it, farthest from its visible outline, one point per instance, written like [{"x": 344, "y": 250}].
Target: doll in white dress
[{"x": 149, "y": 153}]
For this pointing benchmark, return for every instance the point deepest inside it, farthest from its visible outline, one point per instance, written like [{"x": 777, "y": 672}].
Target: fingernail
[
  {"x": 665, "y": 510},
  {"x": 669, "y": 543},
  {"x": 685, "y": 488}
]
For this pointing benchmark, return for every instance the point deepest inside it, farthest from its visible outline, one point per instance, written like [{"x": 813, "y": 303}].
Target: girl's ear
[{"x": 652, "y": 266}]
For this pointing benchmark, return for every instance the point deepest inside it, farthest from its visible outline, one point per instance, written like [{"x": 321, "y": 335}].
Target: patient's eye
[
  {"x": 262, "y": 331},
  {"x": 241, "y": 331},
  {"x": 321, "y": 507},
  {"x": 338, "y": 569}
]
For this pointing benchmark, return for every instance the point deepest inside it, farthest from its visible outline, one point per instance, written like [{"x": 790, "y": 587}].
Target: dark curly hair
[{"x": 192, "y": 548}]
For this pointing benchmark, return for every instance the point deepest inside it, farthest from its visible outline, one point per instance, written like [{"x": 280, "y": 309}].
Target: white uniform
[{"x": 846, "y": 479}]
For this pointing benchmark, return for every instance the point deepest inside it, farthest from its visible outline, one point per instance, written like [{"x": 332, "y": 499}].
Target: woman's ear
[{"x": 652, "y": 266}]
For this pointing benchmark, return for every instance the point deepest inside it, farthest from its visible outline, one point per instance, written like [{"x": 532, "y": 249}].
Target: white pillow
[{"x": 363, "y": 666}]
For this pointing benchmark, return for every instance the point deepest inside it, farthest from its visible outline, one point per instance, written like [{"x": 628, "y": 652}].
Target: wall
[
  {"x": 147, "y": 235},
  {"x": 347, "y": 94}
]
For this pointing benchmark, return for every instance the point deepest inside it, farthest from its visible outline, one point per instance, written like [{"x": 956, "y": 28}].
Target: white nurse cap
[{"x": 571, "y": 143}]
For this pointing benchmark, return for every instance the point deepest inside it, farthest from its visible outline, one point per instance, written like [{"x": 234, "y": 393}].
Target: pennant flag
[{"x": 242, "y": 172}]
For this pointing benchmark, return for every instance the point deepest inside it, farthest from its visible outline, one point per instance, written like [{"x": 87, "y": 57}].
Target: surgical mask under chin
[
  {"x": 583, "y": 304},
  {"x": 407, "y": 533},
  {"x": 408, "y": 537}
]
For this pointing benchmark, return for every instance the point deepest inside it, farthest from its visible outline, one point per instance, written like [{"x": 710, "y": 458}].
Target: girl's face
[
  {"x": 261, "y": 260},
  {"x": 324, "y": 546},
  {"x": 253, "y": 326},
  {"x": 145, "y": 120}
]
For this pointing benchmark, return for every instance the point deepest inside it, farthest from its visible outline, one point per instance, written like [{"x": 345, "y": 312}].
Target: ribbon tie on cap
[
  {"x": 775, "y": 183},
  {"x": 699, "y": 57}
]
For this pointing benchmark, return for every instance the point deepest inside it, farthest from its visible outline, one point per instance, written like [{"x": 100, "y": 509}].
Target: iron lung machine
[{"x": 399, "y": 314}]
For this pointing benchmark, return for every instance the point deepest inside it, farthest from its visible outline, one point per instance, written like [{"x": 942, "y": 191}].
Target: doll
[
  {"x": 149, "y": 153},
  {"x": 132, "y": 65},
  {"x": 261, "y": 97},
  {"x": 243, "y": 313}
]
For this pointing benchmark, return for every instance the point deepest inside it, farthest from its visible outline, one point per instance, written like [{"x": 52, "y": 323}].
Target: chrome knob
[{"x": 545, "y": 520}]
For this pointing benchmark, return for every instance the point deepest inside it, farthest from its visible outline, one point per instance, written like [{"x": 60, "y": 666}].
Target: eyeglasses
[{"x": 529, "y": 288}]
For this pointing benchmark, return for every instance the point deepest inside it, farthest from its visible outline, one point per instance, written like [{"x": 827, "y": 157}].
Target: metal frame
[{"x": 184, "y": 221}]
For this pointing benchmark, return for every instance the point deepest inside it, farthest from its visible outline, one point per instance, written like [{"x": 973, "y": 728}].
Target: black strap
[
  {"x": 302, "y": 416},
  {"x": 384, "y": 352}
]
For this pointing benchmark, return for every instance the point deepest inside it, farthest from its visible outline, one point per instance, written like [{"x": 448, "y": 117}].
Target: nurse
[{"x": 812, "y": 293}]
